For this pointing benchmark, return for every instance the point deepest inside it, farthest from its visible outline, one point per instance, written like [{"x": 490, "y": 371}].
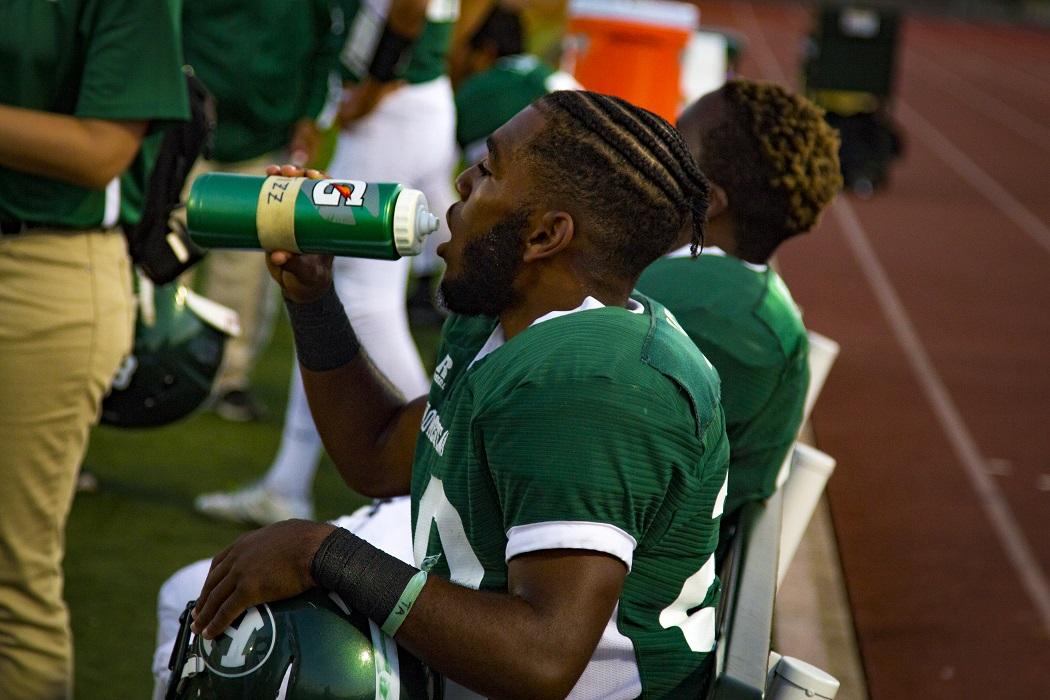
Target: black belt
[{"x": 13, "y": 227}]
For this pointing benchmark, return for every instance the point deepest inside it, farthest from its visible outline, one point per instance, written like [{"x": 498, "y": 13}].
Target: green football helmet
[
  {"x": 179, "y": 341},
  {"x": 308, "y": 647}
]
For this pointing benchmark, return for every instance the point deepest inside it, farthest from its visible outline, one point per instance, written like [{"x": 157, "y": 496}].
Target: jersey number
[
  {"x": 464, "y": 567},
  {"x": 698, "y": 627}
]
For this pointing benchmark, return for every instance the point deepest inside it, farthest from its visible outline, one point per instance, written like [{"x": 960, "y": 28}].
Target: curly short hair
[{"x": 776, "y": 158}]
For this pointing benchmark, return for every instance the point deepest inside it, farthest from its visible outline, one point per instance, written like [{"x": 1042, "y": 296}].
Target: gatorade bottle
[{"x": 349, "y": 218}]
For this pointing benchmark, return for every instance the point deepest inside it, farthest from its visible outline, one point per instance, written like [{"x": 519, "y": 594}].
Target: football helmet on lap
[
  {"x": 306, "y": 647},
  {"x": 179, "y": 341}
]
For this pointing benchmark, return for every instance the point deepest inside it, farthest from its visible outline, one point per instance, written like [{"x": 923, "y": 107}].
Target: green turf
[{"x": 125, "y": 539}]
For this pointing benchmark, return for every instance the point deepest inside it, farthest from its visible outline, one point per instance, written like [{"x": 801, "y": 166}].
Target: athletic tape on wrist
[
  {"x": 324, "y": 339},
  {"x": 391, "y": 55},
  {"x": 371, "y": 581}
]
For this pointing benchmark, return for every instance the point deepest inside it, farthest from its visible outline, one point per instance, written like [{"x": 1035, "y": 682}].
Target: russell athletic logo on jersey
[
  {"x": 441, "y": 371},
  {"x": 433, "y": 429},
  {"x": 244, "y": 646}
]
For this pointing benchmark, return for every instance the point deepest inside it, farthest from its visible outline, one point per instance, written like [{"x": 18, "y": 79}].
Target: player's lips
[{"x": 451, "y": 220}]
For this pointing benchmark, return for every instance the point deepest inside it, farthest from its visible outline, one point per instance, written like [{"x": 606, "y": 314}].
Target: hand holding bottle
[
  {"x": 308, "y": 213},
  {"x": 303, "y": 277}
]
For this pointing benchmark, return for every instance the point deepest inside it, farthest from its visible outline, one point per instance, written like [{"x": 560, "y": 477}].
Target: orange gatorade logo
[{"x": 334, "y": 193}]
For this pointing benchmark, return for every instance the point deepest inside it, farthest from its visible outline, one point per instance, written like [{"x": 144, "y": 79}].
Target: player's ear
[
  {"x": 717, "y": 201},
  {"x": 549, "y": 236}
]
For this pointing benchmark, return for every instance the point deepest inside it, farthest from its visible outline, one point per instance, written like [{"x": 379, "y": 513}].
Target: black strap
[
  {"x": 158, "y": 244},
  {"x": 391, "y": 56}
]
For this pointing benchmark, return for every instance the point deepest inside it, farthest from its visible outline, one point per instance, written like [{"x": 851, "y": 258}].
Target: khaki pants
[
  {"x": 66, "y": 320},
  {"x": 239, "y": 279}
]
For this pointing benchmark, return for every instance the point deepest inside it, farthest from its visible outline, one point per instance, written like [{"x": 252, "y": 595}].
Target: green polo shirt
[
  {"x": 99, "y": 59},
  {"x": 266, "y": 62}
]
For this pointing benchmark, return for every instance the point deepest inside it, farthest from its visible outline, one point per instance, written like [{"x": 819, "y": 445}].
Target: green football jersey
[
  {"x": 742, "y": 317},
  {"x": 598, "y": 429},
  {"x": 364, "y": 21},
  {"x": 93, "y": 59},
  {"x": 266, "y": 62},
  {"x": 488, "y": 100}
]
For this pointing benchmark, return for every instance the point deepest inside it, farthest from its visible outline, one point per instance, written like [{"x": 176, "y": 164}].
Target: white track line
[
  {"x": 972, "y": 96},
  {"x": 981, "y": 181},
  {"x": 985, "y": 67},
  {"x": 991, "y": 498},
  {"x": 767, "y": 60}
]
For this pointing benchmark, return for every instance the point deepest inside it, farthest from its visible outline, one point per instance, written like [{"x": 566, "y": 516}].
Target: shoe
[
  {"x": 87, "y": 482},
  {"x": 253, "y": 505},
  {"x": 239, "y": 406}
]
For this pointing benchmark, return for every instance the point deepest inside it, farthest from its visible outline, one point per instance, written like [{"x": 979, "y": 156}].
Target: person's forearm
[
  {"x": 407, "y": 17},
  {"x": 84, "y": 152},
  {"x": 533, "y": 642},
  {"x": 367, "y": 427},
  {"x": 493, "y": 643}
]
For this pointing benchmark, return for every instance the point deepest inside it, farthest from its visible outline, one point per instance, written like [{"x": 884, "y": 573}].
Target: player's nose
[{"x": 465, "y": 182}]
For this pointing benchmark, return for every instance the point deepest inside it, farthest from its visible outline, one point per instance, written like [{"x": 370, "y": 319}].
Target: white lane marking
[
  {"x": 991, "y": 498},
  {"x": 763, "y": 53},
  {"x": 972, "y": 96},
  {"x": 981, "y": 181},
  {"x": 1018, "y": 551}
]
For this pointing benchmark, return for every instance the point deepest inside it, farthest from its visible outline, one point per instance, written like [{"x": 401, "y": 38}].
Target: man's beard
[{"x": 485, "y": 285}]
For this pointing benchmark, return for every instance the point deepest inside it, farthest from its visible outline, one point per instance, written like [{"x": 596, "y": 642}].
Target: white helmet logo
[{"x": 238, "y": 642}]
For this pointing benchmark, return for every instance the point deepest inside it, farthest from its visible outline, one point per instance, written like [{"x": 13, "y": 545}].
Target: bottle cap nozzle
[
  {"x": 426, "y": 223},
  {"x": 413, "y": 222}
]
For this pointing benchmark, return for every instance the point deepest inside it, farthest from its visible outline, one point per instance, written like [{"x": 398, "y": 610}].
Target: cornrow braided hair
[
  {"x": 631, "y": 166},
  {"x": 777, "y": 159}
]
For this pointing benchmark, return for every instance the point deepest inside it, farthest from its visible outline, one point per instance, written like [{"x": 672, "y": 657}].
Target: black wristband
[
  {"x": 391, "y": 55},
  {"x": 324, "y": 339},
  {"x": 368, "y": 579}
]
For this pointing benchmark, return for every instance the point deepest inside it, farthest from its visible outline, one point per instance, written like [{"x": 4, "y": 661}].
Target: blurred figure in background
[
  {"x": 82, "y": 82},
  {"x": 398, "y": 124},
  {"x": 267, "y": 64},
  {"x": 772, "y": 164},
  {"x": 849, "y": 67},
  {"x": 496, "y": 79}
]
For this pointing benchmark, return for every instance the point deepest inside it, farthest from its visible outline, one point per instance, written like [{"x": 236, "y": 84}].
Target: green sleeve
[
  {"x": 132, "y": 62},
  {"x": 590, "y": 450}
]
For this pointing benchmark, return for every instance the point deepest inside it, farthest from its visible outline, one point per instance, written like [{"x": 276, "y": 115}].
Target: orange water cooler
[{"x": 630, "y": 48}]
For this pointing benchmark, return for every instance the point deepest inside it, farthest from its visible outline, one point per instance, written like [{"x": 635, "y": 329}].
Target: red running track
[{"x": 938, "y": 409}]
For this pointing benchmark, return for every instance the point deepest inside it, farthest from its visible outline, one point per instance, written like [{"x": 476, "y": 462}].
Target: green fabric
[
  {"x": 101, "y": 59},
  {"x": 746, "y": 323},
  {"x": 266, "y": 62},
  {"x": 600, "y": 416},
  {"x": 488, "y": 100},
  {"x": 364, "y": 23}
]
